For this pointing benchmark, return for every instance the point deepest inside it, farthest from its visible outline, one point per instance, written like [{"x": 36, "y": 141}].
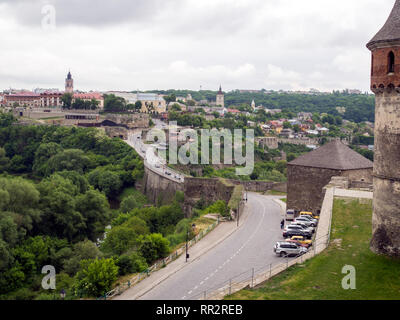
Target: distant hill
[{"x": 359, "y": 107}]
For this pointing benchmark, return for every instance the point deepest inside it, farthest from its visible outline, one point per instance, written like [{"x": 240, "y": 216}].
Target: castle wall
[{"x": 386, "y": 219}]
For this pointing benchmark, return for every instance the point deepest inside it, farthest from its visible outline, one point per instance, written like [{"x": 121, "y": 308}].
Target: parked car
[
  {"x": 303, "y": 226},
  {"x": 315, "y": 221},
  {"x": 167, "y": 173},
  {"x": 297, "y": 232},
  {"x": 306, "y": 221},
  {"x": 300, "y": 240},
  {"x": 157, "y": 165},
  {"x": 306, "y": 213},
  {"x": 284, "y": 249}
]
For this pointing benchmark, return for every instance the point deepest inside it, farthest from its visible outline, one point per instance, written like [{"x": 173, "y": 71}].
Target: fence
[
  {"x": 258, "y": 275},
  {"x": 160, "y": 264}
]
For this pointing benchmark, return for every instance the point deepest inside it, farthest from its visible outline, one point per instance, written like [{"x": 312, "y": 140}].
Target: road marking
[
  {"x": 190, "y": 292},
  {"x": 201, "y": 283}
]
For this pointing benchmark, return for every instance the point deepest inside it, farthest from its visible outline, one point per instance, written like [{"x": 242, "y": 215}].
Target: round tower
[
  {"x": 385, "y": 83},
  {"x": 69, "y": 84}
]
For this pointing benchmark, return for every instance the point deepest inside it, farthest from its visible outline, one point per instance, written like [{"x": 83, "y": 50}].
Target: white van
[{"x": 290, "y": 215}]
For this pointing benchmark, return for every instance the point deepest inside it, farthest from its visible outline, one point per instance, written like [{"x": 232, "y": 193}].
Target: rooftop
[
  {"x": 333, "y": 155},
  {"x": 390, "y": 31}
]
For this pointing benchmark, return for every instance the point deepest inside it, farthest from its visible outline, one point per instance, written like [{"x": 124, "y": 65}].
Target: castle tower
[
  {"x": 220, "y": 98},
  {"x": 385, "y": 83},
  {"x": 253, "y": 105},
  {"x": 69, "y": 84}
]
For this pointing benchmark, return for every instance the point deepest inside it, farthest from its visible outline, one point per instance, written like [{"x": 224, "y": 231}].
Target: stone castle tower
[
  {"x": 220, "y": 98},
  {"x": 385, "y": 83},
  {"x": 69, "y": 84}
]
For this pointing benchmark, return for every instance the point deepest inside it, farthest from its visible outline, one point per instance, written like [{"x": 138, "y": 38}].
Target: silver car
[
  {"x": 286, "y": 249},
  {"x": 306, "y": 221}
]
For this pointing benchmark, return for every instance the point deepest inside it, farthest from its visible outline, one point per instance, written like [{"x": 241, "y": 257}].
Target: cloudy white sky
[{"x": 185, "y": 44}]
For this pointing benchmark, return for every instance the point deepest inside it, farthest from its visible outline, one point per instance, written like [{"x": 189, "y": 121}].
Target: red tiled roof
[{"x": 90, "y": 95}]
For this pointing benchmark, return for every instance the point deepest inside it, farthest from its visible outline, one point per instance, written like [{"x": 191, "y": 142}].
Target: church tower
[
  {"x": 220, "y": 98},
  {"x": 385, "y": 83},
  {"x": 69, "y": 84}
]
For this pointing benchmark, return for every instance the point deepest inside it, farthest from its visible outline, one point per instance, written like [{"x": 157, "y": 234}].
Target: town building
[
  {"x": 310, "y": 173},
  {"x": 89, "y": 96},
  {"x": 385, "y": 83}
]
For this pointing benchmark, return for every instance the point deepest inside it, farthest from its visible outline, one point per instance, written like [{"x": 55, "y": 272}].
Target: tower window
[{"x": 391, "y": 62}]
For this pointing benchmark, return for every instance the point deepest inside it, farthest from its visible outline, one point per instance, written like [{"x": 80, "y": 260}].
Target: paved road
[
  {"x": 156, "y": 163},
  {"x": 249, "y": 247}
]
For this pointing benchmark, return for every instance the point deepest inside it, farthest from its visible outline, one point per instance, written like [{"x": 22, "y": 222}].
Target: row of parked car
[{"x": 298, "y": 235}]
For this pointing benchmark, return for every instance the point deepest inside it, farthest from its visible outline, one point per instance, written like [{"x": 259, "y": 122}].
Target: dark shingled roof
[
  {"x": 334, "y": 155},
  {"x": 391, "y": 29}
]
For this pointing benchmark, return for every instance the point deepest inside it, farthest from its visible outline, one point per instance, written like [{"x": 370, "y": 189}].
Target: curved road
[{"x": 251, "y": 246}]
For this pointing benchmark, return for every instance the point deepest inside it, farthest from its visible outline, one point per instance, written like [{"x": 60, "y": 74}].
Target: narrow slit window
[{"x": 391, "y": 62}]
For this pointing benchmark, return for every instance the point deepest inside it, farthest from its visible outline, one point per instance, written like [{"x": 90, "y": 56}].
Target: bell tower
[
  {"x": 220, "y": 98},
  {"x": 69, "y": 84},
  {"x": 385, "y": 83}
]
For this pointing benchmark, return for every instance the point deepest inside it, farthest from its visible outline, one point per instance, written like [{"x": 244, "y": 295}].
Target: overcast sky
[{"x": 185, "y": 44}]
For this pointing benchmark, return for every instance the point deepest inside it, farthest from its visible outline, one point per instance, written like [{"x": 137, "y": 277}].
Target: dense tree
[
  {"x": 154, "y": 247},
  {"x": 85, "y": 250},
  {"x": 114, "y": 103},
  {"x": 97, "y": 276},
  {"x": 106, "y": 181}
]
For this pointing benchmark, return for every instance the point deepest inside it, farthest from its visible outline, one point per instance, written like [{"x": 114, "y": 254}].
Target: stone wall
[
  {"x": 306, "y": 184},
  {"x": 386, "y": 219},
  {"x": 159, "y": 189},
  {"x": 208, "y": 190},
  {"x": 305, "y": 187}
]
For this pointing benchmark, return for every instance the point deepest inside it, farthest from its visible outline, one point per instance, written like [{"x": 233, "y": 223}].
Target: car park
[{"x": 286, "y": 249}]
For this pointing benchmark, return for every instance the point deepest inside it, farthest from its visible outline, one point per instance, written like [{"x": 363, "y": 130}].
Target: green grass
[
  {"x": 320, "y": 278},
  {"x": 284, "y": 200},
  {"x": 275, "y": 193}
]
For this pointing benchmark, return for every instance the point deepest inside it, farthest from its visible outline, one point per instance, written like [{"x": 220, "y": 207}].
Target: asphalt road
[
  {"x": 157, "y": 164},
  {"x": 251, "y": 246}
]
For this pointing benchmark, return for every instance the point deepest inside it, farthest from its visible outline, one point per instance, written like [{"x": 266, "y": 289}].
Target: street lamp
[
  {"x": 62, "y": 294},
  {"x": 187, "y": 241}
]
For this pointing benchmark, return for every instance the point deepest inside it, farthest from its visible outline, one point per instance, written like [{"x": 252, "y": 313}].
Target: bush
[
  {"x": 131, "y": 263},
  {"x": 96, "y": 276}
]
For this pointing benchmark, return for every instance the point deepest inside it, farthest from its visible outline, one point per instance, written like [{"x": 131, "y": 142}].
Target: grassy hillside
[{"x": 321, "y": 277}]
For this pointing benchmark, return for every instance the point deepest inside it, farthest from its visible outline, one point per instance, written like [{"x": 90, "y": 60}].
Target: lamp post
[{"x": 187, "y": 241}]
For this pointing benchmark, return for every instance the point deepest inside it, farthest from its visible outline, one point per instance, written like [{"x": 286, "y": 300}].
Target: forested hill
[{"x": 359, "y": 107}]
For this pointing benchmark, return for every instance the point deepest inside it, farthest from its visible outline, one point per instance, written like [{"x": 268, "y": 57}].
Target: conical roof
[
  {"x": 334, "y": 155},
  {"x": 390, "y": 31}
]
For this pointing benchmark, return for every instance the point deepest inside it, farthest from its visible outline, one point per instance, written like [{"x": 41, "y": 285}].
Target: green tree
[
  {"x": 96, "y": 276},
  {"x": 85, "y": 250},
  {"x": 128, "y": 204},
  {"x": 4, "y": 161},
  {"x": 67, "y": 100},
  {"x": 71, "y": 160},
  {"x": 94, "y": 208},
  {"x": 154, "y": 247},
  {"x": 106, "y": 181}
]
